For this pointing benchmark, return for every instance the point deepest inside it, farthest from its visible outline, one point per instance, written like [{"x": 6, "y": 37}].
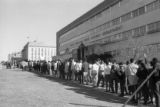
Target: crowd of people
[{"x": 120, "y": 78}]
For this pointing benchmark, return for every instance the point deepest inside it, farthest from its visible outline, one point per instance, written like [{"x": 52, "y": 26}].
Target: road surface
[{"x": 26, "y": 89}]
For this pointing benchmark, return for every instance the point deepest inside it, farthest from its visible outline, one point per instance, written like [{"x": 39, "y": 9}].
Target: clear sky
[{"x": 37, "y": 19}]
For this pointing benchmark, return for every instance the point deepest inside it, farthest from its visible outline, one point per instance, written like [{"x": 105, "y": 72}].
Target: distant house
[
  {"x": 36, "y": 51},
  {"x": 15, "y": 57}
]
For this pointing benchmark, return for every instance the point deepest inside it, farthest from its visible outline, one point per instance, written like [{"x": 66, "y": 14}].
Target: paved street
[{"x": 26, "y": 89}]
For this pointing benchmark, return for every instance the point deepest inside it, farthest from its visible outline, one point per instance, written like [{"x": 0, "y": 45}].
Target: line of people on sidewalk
[{"x": 122, "y": 78}]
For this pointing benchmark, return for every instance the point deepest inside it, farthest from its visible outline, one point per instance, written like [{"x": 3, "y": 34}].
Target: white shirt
[
  {"x": 102, "y": 67},
  {"x": 132, "y": 69},
  {"x": 78, "y": 66},
  {"x": 73, "y": 65},
  {"x": 55, "y": 66},
  {"x": 90, "y": 66},
  {"x": 95, "y": 67}
]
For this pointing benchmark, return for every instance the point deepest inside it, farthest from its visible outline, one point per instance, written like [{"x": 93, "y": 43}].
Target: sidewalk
[{"x": 100, "y": 89}]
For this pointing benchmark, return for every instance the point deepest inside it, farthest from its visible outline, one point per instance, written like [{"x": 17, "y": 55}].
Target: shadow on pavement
[
  {"x": 88, "y": 105},
  {"x": 89, "y": 92}
]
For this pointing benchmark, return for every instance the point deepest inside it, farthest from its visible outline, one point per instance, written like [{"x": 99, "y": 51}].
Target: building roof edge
[{"x": 97, "y": 9}]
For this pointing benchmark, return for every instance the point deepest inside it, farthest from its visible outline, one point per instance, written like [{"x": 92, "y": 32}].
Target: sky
[{"x": 29, "y": 20}]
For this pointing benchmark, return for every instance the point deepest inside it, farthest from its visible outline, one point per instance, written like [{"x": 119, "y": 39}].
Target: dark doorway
[{"x": 81, "y": 51}]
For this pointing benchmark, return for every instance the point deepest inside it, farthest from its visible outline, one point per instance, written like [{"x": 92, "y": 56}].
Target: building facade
[
  {"x": 15, "y": 57},
  {"x": 122, "y": 28},
  {"x": 35, "y": 51}
]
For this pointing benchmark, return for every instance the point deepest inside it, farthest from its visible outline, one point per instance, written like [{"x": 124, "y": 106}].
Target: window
[
  {"x": 35, "y": 52},
  {"x": 135, "y": 13},
  {"x": 42, "y": 51},
  {"x": 141, "y": 10},
  {"x": 152, "y": 6},
  {"x": 154, "y": 27},
  {"x": 138, "y": 12},
  {"x": 45, "y": 52},
  {"x": 140, "y": 31},
  {"x": 39, "y": 51},
  {"x": 116, "y": 21},
  {"x": 136, "y": 32},
  {"x": 126, "y": 17}
]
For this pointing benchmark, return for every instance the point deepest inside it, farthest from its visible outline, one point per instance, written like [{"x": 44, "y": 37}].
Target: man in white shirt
[
  {"x": 95, "y": 70},
  {"x": 131, "y": 75},
  {"x": 101, "y": 73},
  {"x": 132, "y": 70},
  {"x": 73, "y": 63},
  {"x": 78, "y": 68},
  {"x": 55, "y": 67}
]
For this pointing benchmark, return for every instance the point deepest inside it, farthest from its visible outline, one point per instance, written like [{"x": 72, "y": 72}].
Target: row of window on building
[
  {"x": 130, "y": 15},
  {"x": 136, "y": 32},
  {"x": 135, "y": 13},
  {"x": 38, "y": 51}
]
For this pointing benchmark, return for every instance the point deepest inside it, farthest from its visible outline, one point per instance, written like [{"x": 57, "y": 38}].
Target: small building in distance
[
  {"x": 37, "y": 51},
  {"x": 15, "y": 57}
]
